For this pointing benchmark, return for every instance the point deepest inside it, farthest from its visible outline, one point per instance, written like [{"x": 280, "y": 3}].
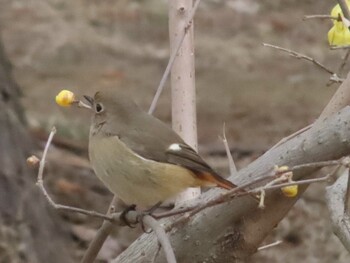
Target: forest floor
[{"x": 261, "y": 94}]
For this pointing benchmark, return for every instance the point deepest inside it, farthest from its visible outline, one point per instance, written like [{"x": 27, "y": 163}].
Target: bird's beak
[
  {"x": 90, "y": 103},
  {"x": 89, "y": 99}
]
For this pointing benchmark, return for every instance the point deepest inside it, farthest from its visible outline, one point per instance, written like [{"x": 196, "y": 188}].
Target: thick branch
[
  {"x": 162, "y": 238},
  {"x": 239, "y": 226},
  {"x": 335, "y": 202}
]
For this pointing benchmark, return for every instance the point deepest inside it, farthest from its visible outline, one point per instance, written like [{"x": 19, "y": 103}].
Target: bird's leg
[
  {"x": 153, "y": 208},
  {"x": 145, "y": 213},
  {"x": 123, "y": 215}
]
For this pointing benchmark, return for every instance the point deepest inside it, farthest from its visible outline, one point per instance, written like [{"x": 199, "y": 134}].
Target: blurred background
[{"x": 261, "y": 94}]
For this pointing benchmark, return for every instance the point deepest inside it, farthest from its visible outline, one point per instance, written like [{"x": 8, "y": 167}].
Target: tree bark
[
  {"x": 335, "y": 197},
  {"x": 27, "y": 224}
]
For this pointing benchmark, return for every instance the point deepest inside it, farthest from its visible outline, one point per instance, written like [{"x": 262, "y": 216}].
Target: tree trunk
[
  {"x": 27, "y": 224},
  {"x": 183, "y": 90}
]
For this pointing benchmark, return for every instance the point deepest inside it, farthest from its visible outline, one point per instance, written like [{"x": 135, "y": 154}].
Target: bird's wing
[{"x": 168, "y": 147}]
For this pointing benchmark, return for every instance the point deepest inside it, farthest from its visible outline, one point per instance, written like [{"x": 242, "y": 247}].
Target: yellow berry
[
  {"x": 290, "y": 191},
  {"x": 281, "y": 169},
  {"x": 65, "y": 98}
]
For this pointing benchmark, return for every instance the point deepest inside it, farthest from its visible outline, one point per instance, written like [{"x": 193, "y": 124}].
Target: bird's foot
[
  {"x": 124, "y": 213},
  {"x": 147, "y": 212}
]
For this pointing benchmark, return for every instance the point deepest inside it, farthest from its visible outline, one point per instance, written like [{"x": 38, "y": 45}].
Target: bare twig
[
  {"x": 340, "y": 47},
  {"x": 344, "y": 61},
  {"x": 344, "y": 8},
  {"x": 101, "y": 236},
  {"x": 162, "y": 237},
  {"x": 301, "y": 56},
  {"x": 173, "y": 57},
  {"x": 320, "y": 17},
  {"x": 285, "y": 139},
  {"x": 191, "y": 211},
  {"x": 335, "y": 79},
  {"x": 231, "y": 162},
  {"x": 237, "y": 192},
  {"x": 40, "y": 184},
  {"x": 42, "y": 161},
  {"x": 270, "y": 245}
]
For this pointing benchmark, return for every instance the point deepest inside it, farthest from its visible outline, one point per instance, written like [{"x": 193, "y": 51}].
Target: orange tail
[{"x": 210, "y": 179}]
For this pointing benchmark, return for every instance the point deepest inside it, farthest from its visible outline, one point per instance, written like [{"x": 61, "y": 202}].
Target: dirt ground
[{"x": 261, "y": 94}]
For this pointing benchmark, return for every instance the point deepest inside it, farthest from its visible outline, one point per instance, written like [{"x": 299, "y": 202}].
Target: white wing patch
[{"x": 175, "y": 147}]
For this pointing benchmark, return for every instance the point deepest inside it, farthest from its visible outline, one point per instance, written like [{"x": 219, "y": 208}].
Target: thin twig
[
  {"x": 228, "y": 195},
  {"x": 42, "y": 161},
  {"x": 101, "y": 236},
  {"x": 320, "y": 17},
  {"x": 292, "y": 136},
  {"x": 172, "y": 58},
  {"x": 344, "y": 61},
  {"x": 231, "y": 162},
  {"x": 340, "y": 47},
  {"x": 270, "y": 245},
  {"x": 237, "y": 192},
  {"x": 40, "y": 184},
  {"x": 162, "y": 237},
  {"x": 344, "y": 8},
  {"x": 335, "y": 79},
  {"x": 64, "y": 207},
  {"x": 301, "y": 56}
]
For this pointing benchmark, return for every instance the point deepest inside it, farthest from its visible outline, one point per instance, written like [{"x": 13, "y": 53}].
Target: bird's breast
[{"x": 136, "y": 180}]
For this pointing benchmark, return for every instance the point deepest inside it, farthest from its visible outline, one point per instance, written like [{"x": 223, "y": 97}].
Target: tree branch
[
  {"x": 231, "y": 162},
  {"x": 301, "y": 56},
  {"x": 276, "y": 243},
  {"x": 40, "y": 184},
  {"x": 319, "y": 17},
  {"x": 335, "y": 195},
  {"x": 101, "y": 236},
  {"x": 162, "y": 238}
]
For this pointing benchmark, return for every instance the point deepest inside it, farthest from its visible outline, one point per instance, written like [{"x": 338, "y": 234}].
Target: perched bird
[{"x": 138, "y": 157}]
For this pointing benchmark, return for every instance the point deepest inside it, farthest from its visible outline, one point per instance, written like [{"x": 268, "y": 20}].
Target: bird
[{"x": 138, "y": 157}]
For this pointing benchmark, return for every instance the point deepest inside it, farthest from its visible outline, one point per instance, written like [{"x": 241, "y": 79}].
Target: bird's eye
[{"x": 98, "y": 107}]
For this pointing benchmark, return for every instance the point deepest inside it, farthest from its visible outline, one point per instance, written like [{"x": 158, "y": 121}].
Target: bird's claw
[
  {"x": 124, "y": 213},
  {"x": 148, "y": 212}
]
